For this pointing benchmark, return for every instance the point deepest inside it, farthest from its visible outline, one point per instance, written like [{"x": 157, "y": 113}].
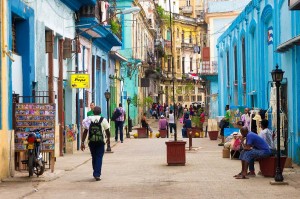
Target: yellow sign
[{"x": 80, "y": 81}]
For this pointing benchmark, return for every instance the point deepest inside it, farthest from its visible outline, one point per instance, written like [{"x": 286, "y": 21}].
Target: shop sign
[{"x": 80, "y": 81}]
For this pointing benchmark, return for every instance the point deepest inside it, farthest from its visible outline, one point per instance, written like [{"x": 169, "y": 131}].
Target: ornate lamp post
[
  {"x": 277, "y": 75},
  {"x": 128, "y": 118},
  {"x": 107, "y": 97}
]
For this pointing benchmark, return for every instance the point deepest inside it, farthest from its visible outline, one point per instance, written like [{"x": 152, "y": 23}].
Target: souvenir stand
[{"x": 32, "y": 117}]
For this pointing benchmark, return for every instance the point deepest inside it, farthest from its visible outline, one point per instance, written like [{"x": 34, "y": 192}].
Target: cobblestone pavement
[{"x": 138, "y": 169}]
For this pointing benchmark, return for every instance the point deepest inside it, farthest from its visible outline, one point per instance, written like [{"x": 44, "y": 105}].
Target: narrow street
[{"x": 138, "y": 169}]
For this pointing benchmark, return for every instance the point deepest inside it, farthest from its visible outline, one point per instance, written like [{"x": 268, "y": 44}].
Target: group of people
[{"x": 251, "y": 145}]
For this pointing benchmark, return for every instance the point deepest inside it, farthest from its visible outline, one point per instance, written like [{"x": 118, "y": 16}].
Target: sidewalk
[{"x": 68, "y": 162}]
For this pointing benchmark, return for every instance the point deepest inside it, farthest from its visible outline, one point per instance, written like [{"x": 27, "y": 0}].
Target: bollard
[
  {"x": 190, "y": 140},
  {"x": 206, "y": 131}
]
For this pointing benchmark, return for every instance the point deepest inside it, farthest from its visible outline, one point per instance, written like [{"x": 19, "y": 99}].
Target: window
[
  {"x": 178, "y": 33},
  {"x": 180, "y": 99},
  {"x": 244, "y": 59},
  {"x": 182, "y": 64},
  {"x": 178, "y": 62},
  {"x": 191, "y": 64},
  {"x": 193, "y": 98},
  {"x": 187, "y": 98},
  {"x": 188, "y": 2},
  {"x": 179, "y": 90},
  {"x": 235, "y": 65},
  {"x": 169, "y": 63},
  {"x": 14, "y": 37},
  {"x": 199, "y": 98},
  {"x": 103, "y": 65},
  {"x": 227, "y": 57},
  {"x": 168, "y": 35},
  {"x": 200, "y": 90},
  {"x": 182, "y": 37},
  {"x": 191, "y": 40}
]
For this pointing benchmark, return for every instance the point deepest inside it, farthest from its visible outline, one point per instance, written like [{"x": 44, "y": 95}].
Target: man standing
[
  {"x": 92, "y": 106},
  {"x": 225, "y": 123},
  {"x": 254, "y": 148},
  {"x": 162, "y": 123},
  {"x": 172, "y": 123},
  {"x": 119, "y": 123},
  {"x": 246, "y": 118},
  {"x": 96, "y": 139}
]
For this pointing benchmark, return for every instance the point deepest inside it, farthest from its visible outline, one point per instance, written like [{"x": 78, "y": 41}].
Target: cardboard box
[{"x": 226, "y": 153}]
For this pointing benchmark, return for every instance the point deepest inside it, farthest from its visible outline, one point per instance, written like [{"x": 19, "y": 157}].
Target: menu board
[{"x": 32, "y": 117}]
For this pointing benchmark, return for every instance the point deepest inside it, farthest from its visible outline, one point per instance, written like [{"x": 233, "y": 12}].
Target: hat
[{"x": 162, "y": 116}]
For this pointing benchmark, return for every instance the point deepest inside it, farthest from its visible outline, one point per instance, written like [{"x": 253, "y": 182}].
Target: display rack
[{"x": 30, "y": 117}]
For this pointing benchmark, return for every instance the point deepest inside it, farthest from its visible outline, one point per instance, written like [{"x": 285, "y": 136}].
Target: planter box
[
  {"x": 268, "y": 165},
  {"x": 163, "y": 133},
  {"x": 176, "y": 153},
  {"x": 213, "y": 135},
  {"x": 142, "y": 132}
]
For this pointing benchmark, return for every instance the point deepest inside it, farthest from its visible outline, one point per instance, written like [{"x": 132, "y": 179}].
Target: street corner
[{"x": 46, "y": 177}]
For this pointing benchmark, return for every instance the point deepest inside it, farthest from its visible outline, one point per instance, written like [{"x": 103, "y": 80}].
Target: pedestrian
[
  {"x": 98, "y": 129},
  {"x": 172, "y": 123},
  {"x": 246, "y": 118},
  {"x": 224, "y": 124},
  {"x": 162, "y": 123},
  {"x": 145, "y": 123},
  {"x": 119, "y": 123},
  {"x": 255, "y": 147},
  {"x": 180, "y": 110},
  {"x": 90, "y": 113}
]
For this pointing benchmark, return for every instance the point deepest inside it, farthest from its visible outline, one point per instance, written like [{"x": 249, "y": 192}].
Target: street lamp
[
  {"x": 128, "y": 119},
  {"x": 277, "y": 75},
  {"x": 107, "y": 97}
]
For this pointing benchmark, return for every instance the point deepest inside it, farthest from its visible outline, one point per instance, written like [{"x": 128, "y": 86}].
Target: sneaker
[
  {"x": 121, "y": 141},
  {"x": 221, "y": 144},
  {"x": 97, "y": 178}
]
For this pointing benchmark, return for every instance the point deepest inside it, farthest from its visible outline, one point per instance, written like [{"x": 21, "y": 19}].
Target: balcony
[
  {"x": 167, "y": 43},
  {"x": 187, "y": 10},
  {"x": 209, "y": 69},
  {"x": 187, "y": 46}
]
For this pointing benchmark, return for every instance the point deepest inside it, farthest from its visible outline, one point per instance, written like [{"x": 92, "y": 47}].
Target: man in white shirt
[
  {"x": 172, "y": 123},
  {"x": 96, "y": 147},
  {"x": 267, "y": 135}
]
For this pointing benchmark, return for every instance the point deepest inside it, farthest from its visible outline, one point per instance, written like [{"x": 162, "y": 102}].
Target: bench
[{"x": 142, "y": 132}]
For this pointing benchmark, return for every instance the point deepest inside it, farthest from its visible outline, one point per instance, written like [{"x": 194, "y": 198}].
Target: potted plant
[
  {"x": 213, "y": 135},
  {"x": 176, "y": 152}
]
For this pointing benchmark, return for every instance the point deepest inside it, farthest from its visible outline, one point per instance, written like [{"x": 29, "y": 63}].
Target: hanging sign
[{"x": 80, "y": 81}]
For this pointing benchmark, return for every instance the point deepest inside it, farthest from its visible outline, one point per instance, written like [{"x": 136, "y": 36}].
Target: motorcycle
[{"x": 34, "y": 160}]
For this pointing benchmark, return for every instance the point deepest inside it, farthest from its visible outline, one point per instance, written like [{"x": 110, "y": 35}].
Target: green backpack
[{"x": 95, "y": 132}]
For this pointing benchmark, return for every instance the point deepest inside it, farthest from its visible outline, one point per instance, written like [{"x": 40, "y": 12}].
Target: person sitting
[
  {"x": 230, "y": 140},
  {"x": 145, "y": 124},
  {"x": 162, "y": 123},
  {"x": 255, "y": 147},
  {"x": 187, "y": 123},
  {"x": 154, "y": 114},
  {"x": 267, "y": 136}
]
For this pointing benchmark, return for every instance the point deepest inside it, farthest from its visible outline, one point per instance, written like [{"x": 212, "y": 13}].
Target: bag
[
  {"x": 116, "y": 114},
  {"x": 95, "y": 132},
  {"x": 236, "y": 145}
]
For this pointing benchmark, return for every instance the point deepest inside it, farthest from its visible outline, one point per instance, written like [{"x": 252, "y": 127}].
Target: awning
[
  {"x": 117, "y": 56},
  {"x": 288, "y": 44}
]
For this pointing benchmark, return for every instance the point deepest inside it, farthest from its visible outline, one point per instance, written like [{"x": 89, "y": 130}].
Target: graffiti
[{"x": 71, "y": 131}]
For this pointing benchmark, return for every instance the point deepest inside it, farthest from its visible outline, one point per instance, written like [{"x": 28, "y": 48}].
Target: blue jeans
[
  {"x": 172, "y": 126},
  {"x": 119, "y": 125},
  {"x": 97, "y": 152},
  {"x": 184, "y": 134}
]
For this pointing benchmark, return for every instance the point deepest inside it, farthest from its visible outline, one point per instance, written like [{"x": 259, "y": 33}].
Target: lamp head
[
  {"x": 132, "y": 10},
  {"x": 107, "y": 95},
  {"x": 128, "y": 100},
  {"x": 277, "y": 74}
]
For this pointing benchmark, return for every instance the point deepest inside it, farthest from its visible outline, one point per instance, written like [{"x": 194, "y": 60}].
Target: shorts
[{"x": 253, "y": 154}]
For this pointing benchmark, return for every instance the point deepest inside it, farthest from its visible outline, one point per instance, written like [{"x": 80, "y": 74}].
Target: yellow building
[
  {"x": 187, "y": 41},
  {"x": 6, "y": 134}
]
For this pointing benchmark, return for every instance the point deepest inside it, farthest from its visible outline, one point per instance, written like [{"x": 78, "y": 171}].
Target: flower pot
[
  {"x": 268, "y": 165},
  {"x": 142, "y": 132},
  {"x": 163, "y": 133},
  {"x": 176, "y": 153},
  {"x": 213, "y": 135}
]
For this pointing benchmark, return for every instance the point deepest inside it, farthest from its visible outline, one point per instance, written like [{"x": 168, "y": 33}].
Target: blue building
[{"x": 264, "y": 35}]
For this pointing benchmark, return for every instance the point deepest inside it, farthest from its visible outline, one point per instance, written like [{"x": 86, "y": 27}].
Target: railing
[
  {"x": 187, "y": 9},
  {"x": 187, "y": 45}
]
